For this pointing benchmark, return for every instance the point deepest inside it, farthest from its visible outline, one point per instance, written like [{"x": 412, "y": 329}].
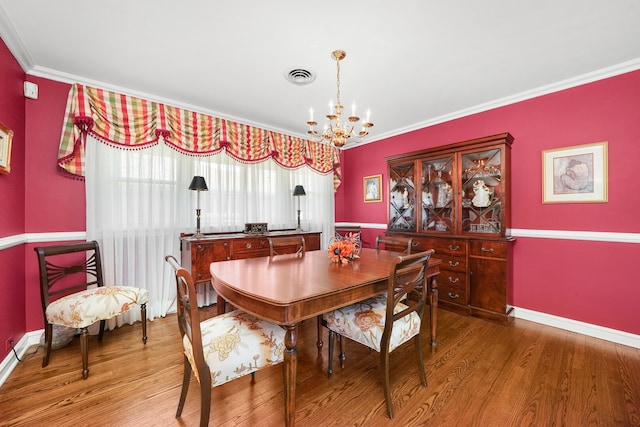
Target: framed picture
[
  {"x": 372, "y": 188},
  {"x": 575, "y": 174},
  {"x": 6, "y": 135}
]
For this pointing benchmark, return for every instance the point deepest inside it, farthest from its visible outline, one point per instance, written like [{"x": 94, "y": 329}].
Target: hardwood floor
[{"x": 480, "y": 374}]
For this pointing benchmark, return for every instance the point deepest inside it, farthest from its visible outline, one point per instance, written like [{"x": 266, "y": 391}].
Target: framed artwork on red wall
[
  {"x": 575, "y": 174},
  {"x": 372, "y": 188},
  {"x": 6, "y": 135}
]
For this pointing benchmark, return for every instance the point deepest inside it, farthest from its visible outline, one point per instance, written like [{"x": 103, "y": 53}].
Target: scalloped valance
[{"x": 128, "y": 122}]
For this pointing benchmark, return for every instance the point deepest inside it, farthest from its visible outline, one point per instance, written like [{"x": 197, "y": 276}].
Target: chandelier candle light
[{"x": 337, "y": 131}]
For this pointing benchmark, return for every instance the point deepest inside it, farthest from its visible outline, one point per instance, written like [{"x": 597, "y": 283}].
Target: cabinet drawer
[
  {"x": 452, "y": 278},
  {"x": 246, "y": 248},
  {"x": 488, "y": 248},
  {"x": 452, "y": 293},
  {"x": 453, "y": 247},
  {"x": 450, "y": 263}
]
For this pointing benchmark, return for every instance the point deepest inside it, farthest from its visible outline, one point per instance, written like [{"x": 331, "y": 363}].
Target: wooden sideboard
[{"x": 198, "y": 253}]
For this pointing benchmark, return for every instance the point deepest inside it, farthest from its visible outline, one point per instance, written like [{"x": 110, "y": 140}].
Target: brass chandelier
[{"x": 337, "y": 131}]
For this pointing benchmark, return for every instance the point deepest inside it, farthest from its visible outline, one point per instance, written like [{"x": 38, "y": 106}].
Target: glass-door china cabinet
[{"x": 455, "y": 199}]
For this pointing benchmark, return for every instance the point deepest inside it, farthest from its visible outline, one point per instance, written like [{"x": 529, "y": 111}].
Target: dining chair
[
  {"x": 286, "y": 245},
  {"x": 222, "y": 348},
  {"x": 385, "y": 322},
  {"x": 73, "y": 294},
  {"x": 395, "y": 243}
]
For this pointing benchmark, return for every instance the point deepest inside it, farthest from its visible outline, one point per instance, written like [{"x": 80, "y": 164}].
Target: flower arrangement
[{"x": 344, "y": 249}]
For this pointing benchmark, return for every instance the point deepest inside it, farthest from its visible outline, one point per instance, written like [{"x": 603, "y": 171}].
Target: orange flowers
[{"x": 342, "y": 250}]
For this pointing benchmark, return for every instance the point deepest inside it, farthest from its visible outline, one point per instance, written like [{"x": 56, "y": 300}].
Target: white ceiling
[{"x": 411, "y": 62}]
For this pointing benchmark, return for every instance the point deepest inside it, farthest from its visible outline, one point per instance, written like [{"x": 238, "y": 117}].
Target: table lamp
[
  {"x": 198, "y": 184},
  {"x": 297, "y": 192}
]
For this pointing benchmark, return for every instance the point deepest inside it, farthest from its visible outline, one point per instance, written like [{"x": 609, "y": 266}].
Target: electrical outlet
[{"x": 8, "y": 344}]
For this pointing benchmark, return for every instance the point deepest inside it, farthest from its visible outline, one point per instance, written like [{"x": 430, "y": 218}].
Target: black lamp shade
[
  {"x": 299, "y": 191},
  {"x": 199, "y": 184}
]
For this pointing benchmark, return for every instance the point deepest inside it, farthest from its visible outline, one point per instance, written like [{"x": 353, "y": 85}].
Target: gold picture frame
[
  {"x": 372, "y": 188},
  {"x": 6, "y": 135},
  {"x": 575, "y": 174}
]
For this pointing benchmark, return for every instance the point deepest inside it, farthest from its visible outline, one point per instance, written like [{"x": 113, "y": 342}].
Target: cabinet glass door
[
  {"x": 402, "y": 214},
  {"x": 482, "y": 192},
  {"x": 438, "y": 206}
]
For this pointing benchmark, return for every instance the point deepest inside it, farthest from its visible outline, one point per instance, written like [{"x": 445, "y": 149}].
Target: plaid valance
[{"x": 128, "y": 122}]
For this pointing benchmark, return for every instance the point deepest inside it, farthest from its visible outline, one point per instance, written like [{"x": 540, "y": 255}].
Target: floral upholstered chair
[
  {"x": 385, "y": 322},
  {"x": 73, "y": 294},
  {"x": 221, "y": 348}
]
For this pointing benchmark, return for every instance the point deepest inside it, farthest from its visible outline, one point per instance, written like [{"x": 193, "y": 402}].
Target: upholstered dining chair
[
  {"x": 385, "y": 322},
  {"x": 395, "y": 243},
  {"x": 222, "y": 348},
  {"x": 73, "y": 294},
  {"x": 286, "y": 245}
]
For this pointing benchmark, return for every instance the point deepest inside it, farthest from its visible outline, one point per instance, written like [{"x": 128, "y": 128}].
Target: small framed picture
[
  {"x": 372, "y": 188},
  {"x": 6, "y": 135},
  {"x": 575, "y": 174}
]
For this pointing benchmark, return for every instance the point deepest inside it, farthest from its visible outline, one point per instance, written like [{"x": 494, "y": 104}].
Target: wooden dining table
[{"x": 288, "y": 289}]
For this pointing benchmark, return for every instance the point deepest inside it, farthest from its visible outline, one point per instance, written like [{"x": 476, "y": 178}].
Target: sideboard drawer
[{"x": 252, "y": 247}]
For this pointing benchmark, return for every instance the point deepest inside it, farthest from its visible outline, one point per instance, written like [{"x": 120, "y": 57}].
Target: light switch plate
[{"x": 31, "y": 90}]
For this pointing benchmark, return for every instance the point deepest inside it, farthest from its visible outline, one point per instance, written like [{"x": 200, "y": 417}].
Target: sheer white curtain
[{"x": 138, "y": 203}]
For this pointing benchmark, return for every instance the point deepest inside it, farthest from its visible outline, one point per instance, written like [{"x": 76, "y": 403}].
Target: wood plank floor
[{"x": 480, "y": 374}]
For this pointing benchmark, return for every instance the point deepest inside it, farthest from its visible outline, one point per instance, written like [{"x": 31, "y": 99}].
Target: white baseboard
[
  {"x": 608, "y": 334},
  {"x": 10, "y": 362}
]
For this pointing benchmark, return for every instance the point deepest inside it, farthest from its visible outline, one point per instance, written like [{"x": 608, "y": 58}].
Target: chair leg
[
  {"x": 343, "y": 354},
  {"x": 48, "y": 336},
  {"x": 186, "y": 378},
  {"x": 143, "y": 314},
  {"x": 205, "y": 398},
  {"x": 330, "y": 362},
  {"x": 319, "y": 343},
  {"x": 384, "y": 362},
  {"x": 84, "y": 349},
  {"x": 101, "y": 333},
  {"x": 418, "y": 345}
]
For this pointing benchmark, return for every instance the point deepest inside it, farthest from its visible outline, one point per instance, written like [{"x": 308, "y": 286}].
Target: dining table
[{"x": 288, "y": 289}]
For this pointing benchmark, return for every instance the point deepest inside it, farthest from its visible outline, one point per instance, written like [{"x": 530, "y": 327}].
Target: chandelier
[{"x": 337, "y": 130}]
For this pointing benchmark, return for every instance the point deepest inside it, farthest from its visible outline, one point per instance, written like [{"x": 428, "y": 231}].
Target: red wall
[
  {"x": 12, "y": 207},
  {"x": 589, "y": 281},
  {"x": 54, "y": 202}
]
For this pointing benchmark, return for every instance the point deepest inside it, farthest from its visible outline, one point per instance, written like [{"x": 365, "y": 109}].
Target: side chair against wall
[
  {"x": 395, "y": 243},
  {"x": 393, "y": 319},
  {"x": 73, "y": 294},
  {"x": 221, "y": 348}
]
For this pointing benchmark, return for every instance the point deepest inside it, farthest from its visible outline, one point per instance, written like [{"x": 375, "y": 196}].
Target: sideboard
[{"x": 198, "y": 253}]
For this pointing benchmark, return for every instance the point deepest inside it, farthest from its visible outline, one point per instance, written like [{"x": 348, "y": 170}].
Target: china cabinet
[{"x": 456, "y": 200}]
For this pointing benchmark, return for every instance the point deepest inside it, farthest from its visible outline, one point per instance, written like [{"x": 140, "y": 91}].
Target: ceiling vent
[{"x": 300, "y": 76}]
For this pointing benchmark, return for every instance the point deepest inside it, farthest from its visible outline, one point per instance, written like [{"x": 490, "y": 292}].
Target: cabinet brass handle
[
  {"x": 452, "y": 296},
  {"x": 248, "y": 245},
  {"x": 452, "y": 280},
  {"x": 486, "y": 250},
  {"x": 200, "y": 248},
  {"x": 454, "y": 264},
  {"x": 454, "y": 248}
]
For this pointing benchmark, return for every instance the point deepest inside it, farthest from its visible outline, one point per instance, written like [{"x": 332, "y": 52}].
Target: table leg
[
  {"x": 290, "y": 368},
  {"x": 433, "y": 306},
  {"x": 220, "y": 305}
]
